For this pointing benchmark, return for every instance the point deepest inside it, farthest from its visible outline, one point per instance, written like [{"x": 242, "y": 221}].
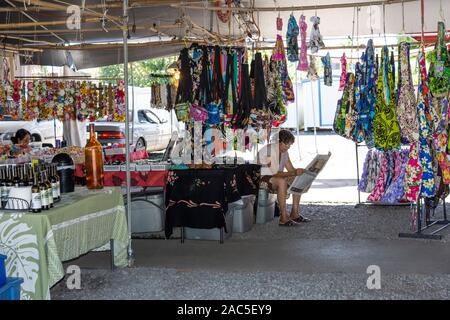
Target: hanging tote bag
[
  {"x": 182, "y": 111},
  {"x": 440, "y": 66},
  {"x": 407, "y": 104},
  {"x": 198, "y": 113},
  {"x": 385, "y": 125}
]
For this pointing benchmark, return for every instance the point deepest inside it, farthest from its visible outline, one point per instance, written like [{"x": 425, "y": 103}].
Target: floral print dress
[{"x": 328, "y": 74}]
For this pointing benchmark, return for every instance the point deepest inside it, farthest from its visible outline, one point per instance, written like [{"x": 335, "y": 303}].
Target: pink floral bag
[{"x": 198, "y": 113}]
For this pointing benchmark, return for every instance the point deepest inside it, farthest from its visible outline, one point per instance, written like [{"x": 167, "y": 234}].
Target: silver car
[{"x": 151, "y": 129}]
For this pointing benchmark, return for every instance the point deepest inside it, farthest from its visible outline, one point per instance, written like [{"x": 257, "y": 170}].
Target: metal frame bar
[
  {"x": 419, "y": 233},
  {"x": 111, "y": 244}
]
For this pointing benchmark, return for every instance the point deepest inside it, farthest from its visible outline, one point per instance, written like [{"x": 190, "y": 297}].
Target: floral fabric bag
[{"x": 182, "y": 111}]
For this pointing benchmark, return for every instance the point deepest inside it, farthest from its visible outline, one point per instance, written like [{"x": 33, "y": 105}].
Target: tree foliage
[{"x": 139, "y": 72}]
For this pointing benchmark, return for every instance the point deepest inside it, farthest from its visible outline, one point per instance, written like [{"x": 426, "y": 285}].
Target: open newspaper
[{"x": 303, "y": 182}]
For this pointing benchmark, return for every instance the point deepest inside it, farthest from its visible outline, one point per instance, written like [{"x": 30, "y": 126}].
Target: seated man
[{"x": 274, "y": 159}]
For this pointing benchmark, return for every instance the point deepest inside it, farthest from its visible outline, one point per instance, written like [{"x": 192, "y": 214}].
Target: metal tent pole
[{"x": 127, "y": 125}]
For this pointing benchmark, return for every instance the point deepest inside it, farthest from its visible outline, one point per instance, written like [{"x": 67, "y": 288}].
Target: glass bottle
[
  {"x": 3, "y": 188},
  {"x": 93, "y": 155},
  {"x": 44, "y": 198},
  {"x": 53, "y": 183},
  {"x": 49, "y": 189},
  {"x": 36, "y": 203}
]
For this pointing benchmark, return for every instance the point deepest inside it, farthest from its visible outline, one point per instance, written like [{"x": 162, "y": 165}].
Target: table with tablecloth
[
  {"x": 36, "y": 244},
  {"x": 199, "y": 198}
]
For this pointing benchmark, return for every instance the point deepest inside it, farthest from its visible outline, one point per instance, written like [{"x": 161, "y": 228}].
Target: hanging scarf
[
  {"x": 243, "y": 114},
  {"x": 303, "y": 64},
  {"x": 291, "y": 39},
  {"x": 217, "y": 86},
  {"x": 407, "y": 105},
  {"x": 184, "y": 92},
  {"x": 260, "y": 93},
  {"x": 328, "y": 74},
  {"x": 229, "y": 94},
  {"x": 342, "y": 80},
  {"x": 386, "y": 130}
]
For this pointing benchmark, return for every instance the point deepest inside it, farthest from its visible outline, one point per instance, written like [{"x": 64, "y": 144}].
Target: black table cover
[{"x": 199, "y": 198}]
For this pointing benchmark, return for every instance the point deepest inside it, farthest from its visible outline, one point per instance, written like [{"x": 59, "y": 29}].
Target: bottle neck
[{"x": 92, "y": 131}]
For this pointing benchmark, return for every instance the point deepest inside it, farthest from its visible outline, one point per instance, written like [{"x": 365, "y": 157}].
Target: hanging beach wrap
[
  {"x": 328, "y": 74},
  {"x": 385, "y": 125},
  {"x": 428, "y": 188},
  {"x": 303, "y": 64},
  {"x": 440, "y": 66},
  {"x": 413, "y": 177},
  {"x": 358, "y": 133},
  {"x": 343, "y": 78},
  {"x": 362, "y": 186},
  {"x": 292, "y": 39},
  {"x": 381, "y": 180},
  {"x": 407, "y": 105}
]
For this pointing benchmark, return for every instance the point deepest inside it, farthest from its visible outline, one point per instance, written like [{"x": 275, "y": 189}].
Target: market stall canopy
[{"x": 39, "y": 29}]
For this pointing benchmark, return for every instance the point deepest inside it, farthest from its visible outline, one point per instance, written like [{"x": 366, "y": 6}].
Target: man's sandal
[
  {"x": 289, "y": 223},
  {"x": 300, "y": 219}
]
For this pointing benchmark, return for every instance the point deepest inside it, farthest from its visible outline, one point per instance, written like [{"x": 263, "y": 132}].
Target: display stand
[
  {"x": 420, "y": 234},
  {"x": 383, "y": 204}
]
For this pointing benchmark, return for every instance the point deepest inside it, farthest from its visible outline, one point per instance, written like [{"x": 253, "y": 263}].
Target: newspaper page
[{"x": 303, "y": 182}]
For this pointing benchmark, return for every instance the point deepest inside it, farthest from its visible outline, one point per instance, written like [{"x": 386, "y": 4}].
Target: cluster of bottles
[{"x": 43, "y": 180}]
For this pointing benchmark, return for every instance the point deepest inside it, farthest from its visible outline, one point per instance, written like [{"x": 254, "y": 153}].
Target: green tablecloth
[{"x": 37, "y": 244}]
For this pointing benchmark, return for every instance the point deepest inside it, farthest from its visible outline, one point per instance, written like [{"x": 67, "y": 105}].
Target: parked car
[
  {"x": 150, "y": 129},
  {"x": 41, "y": 131}
]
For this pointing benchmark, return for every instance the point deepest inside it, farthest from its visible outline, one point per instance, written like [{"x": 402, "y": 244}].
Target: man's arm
[{"x": 291, "y": 169}]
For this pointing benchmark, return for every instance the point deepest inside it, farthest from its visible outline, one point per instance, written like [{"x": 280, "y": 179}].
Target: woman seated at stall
[
  {"x": 274, "y": 159},
  {"x": 21, "y": 142}
]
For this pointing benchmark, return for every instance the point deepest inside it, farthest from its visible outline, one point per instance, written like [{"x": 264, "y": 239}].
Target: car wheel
[
  {"x": 140, "y": 144},
  {"x": 36, "y": 138}
]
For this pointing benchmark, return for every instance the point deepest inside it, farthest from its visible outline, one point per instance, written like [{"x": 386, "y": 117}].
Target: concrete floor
[{"x": 324, "y": 259}]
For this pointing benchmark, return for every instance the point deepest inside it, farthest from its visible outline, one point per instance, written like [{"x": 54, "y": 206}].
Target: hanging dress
[
  {"x": 328, "y": 74},
  {"x": 407, "y": 105},
  {"x": 292, "y": 39},
  {"x": 303, "y": 64},
  {"x": 378, "y": 191},
  {"x": 315, "y": 39},
  {"x": 279, "y": 58},
  {"x": 385, "y": 125},
  {"x": 343, "y": 72}
]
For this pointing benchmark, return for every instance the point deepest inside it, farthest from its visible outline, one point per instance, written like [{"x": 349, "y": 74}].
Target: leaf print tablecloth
[{"x": 36, "y": 244}]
